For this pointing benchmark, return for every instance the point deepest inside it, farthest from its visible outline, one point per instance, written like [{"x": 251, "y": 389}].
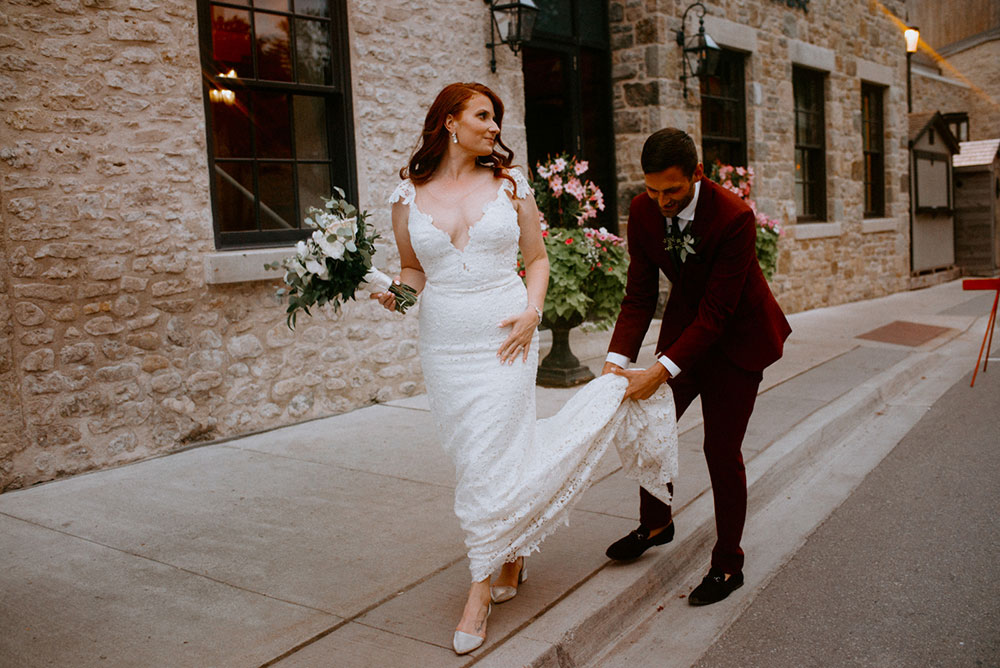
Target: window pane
[
  {"x": 312, "y": 46},
  {"x": 314, "y": 186},
  {"x": 313, "y": 7},
  {"x": 274, "y": 60},
  {"x": 555, "y": 17},
  {"x": 310, "y": 128},
  {"x": 234, "y": 196},
  {"x": 277, "y": 5},
  {"x": 277, "y": 196},
  {"x": 273, "y": 125},
  {"x": 231, "y": 126},
  {"x": 593, "y": 23},
  {"x": 231, "y": 41}
]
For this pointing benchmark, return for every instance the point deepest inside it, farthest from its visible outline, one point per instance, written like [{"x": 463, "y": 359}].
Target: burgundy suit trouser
[{"x": 728, "y": 393}]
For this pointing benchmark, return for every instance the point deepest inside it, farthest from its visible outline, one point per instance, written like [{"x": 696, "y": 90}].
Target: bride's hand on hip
[{"x": 518, "y": 342}]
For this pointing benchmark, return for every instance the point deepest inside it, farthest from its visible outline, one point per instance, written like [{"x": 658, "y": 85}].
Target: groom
[{"x": 721, "y": 328}]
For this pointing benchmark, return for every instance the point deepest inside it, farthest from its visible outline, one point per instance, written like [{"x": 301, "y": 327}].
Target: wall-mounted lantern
[
  {"x": 700, "y": 54},
  {"x": 912, "y": 37},
  {"x": 512, "y": 22}
]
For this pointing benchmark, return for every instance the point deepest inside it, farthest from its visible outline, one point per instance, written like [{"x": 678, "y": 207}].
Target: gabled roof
[
  {"x": 921, "y": 122},
  {"x": 982, "y": 152}
]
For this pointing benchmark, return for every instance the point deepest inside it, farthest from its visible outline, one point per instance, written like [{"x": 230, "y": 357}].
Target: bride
[{"x": 459, "y": 217}]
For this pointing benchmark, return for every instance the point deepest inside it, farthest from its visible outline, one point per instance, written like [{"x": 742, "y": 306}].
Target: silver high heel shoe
[
  {"x": 463, "y": 642},
  {"x": 500, "y": 594}
]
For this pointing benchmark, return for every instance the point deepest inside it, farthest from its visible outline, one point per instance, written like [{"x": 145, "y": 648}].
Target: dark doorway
[{"x": 567, "y": 92}]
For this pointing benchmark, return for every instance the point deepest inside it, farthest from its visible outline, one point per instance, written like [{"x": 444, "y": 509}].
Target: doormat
[{"x": 904, "y": 333}]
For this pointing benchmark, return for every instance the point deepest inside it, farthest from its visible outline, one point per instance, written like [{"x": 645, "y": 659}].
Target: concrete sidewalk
[{"x": 333, "y": 542}]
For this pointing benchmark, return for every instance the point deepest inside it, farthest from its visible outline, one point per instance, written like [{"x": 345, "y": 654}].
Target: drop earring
[{"x": 454, "y": 138}]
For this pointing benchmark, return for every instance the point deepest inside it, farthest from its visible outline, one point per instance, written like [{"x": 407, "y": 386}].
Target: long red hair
[{"x": 452, "y": 99}]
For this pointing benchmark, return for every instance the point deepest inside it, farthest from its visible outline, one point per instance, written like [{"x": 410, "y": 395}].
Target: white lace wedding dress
[{"x": 516, "y": 478}]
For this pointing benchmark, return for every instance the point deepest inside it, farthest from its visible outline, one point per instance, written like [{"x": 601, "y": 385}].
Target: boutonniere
[{"x": 681, "y": 244}]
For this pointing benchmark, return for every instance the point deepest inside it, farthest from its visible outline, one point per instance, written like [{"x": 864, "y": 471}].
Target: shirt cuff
[
  {"x": 669, "y": 365},
  {"x": 619, "y": 359}
]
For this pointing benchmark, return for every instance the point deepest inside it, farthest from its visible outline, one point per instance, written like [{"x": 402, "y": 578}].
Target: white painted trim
[
  {"x": 919, "y": 71},
  {"x": 875, "y": 73},
  {"x": 873, "y": 225},
  {"x": 730, "y": 34},
  {"x": 815, "y": 230},
  {"x": 810, "y": 55},
  {"x": 240, "y": 266}
]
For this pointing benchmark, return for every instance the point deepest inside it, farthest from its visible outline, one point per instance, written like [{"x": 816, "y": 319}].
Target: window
[
  {"x": 723, "y": 113},
  {"x": 278, "y": 114},
  {"x": 810, "y": 145},
  {"x": 873, "y": 147},
  {"x": 958, "y": 123}
]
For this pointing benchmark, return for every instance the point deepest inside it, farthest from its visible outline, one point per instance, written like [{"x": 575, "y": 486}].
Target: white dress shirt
[{"x": 684, "y": 218}]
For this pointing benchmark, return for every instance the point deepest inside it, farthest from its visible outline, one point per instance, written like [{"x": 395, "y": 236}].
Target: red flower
[
  {"x": 545, "y": 233},
  {"x": 521, "y": 273},
  {"x": 569, "y": 241}
]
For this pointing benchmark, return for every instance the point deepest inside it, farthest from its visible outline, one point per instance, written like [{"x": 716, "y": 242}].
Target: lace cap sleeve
[
  {"x": 523, "y": 188},
  {"x": 404, "y": 192}
]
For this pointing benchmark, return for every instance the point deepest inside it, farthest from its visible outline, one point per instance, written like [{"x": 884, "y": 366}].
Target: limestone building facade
[{"x": 138, "y": 206}]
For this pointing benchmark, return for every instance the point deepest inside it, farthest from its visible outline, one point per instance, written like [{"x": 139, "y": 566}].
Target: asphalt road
[{"x": 906, "y": 573}]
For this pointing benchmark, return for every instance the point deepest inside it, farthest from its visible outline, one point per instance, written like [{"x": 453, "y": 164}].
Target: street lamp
[
  {"x": 912, "y": 37},
  {"x": 700, "y": 55},
  {"x": 512, "y": 21}
]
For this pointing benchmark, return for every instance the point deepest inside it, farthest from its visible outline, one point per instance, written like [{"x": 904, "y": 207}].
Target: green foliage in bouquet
[{"x": 334, "y": 261}]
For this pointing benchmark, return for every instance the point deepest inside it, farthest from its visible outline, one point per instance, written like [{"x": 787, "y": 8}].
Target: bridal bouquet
[{"x": 335, "y": 261}]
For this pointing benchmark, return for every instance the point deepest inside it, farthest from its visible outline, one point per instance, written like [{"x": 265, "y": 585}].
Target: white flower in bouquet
[{"x": 335, "y": 261}]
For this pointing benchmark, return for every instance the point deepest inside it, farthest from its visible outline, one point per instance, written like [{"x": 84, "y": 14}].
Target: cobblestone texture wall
[
  {"x": 112, "y": 346},
  {"x": 851, "y": 265}
]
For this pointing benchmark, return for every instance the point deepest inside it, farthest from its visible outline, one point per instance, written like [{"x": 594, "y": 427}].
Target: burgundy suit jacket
[{"x": 719, "y": 296}]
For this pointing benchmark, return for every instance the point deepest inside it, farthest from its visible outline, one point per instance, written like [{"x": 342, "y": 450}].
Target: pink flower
[
  {"x": 559, "y": 164},
  {"x": 575, "y": 188},
  {"x": 581, "y": 167},
  {"x": 555, "y": 182}
]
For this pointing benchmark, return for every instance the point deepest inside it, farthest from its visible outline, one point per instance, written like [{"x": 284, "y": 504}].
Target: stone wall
[
  {"x": 969, "y": 82},
  {"x": 113, "y": 347},
  {"x": 846, "y": 258}
]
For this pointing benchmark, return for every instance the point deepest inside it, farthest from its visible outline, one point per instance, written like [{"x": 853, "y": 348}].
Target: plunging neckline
[{"x": 430, "y": 219}]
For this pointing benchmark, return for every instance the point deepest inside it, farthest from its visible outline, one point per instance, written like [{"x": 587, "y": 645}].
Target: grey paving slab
[
  {"x": 358, "y": 646},
  {"x": 430, "y": 611},
  {"x": 978, "y": 303},
  {"x": 71, "y": 602},
  {"x": 384, "y": 440},
  {"x": 321, "y": 536},
  {"x": 835, "y": 377}
]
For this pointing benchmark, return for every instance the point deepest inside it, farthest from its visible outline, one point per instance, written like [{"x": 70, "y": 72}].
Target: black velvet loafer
[
  {"x": 715, "y": 587},
  {"x": 638, "y": 541}
]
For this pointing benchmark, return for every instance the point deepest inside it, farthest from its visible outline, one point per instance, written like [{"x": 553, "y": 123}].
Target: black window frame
[
  {"x": 338, "y": 109},
  {"x": 809, "y": 102},
  {"x": 730, "y": 100},
  {"x": 873, "y": 148}
]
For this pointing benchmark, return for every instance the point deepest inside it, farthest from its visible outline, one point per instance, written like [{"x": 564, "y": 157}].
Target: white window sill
[
  {"x": 815, "y": 230},
  {"x": 241, "y": 266},
  {"x": 874, "y": 225}
]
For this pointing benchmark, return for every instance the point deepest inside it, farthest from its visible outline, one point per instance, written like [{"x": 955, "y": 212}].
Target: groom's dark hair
[{"x": 668, "y": 148}]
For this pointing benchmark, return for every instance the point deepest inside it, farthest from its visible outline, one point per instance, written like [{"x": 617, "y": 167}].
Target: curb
[{"x": 601, "y": 609}]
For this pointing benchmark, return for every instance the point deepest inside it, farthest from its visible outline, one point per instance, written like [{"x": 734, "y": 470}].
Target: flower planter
[{"x": 561, "y": 368}]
